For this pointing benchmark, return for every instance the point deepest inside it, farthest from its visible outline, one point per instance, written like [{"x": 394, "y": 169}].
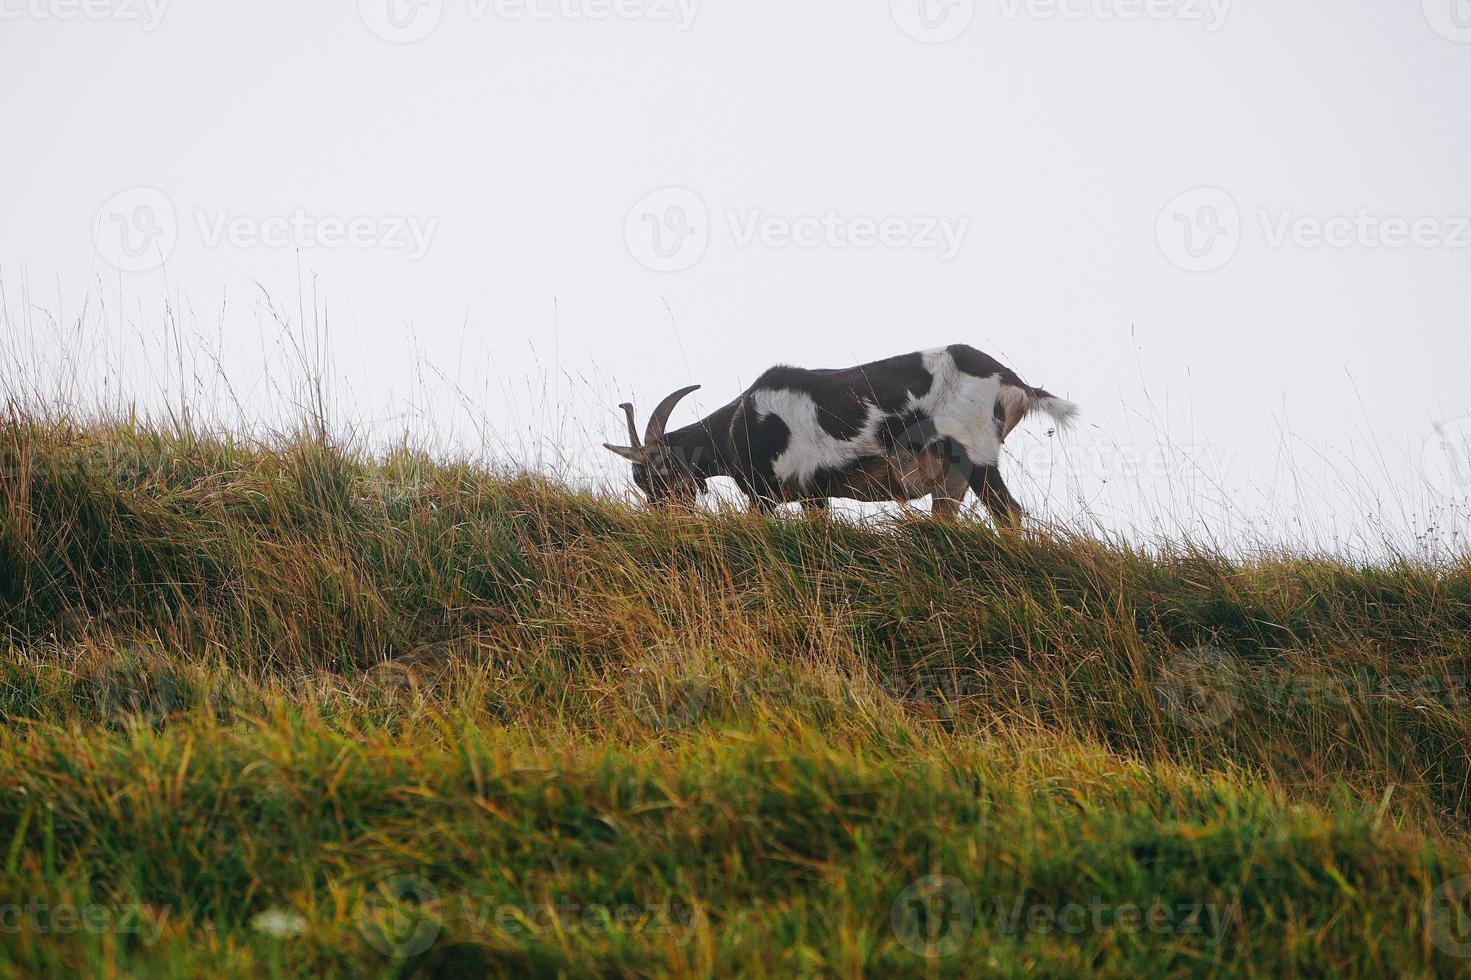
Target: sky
[{"x": 1237, "y": 233}]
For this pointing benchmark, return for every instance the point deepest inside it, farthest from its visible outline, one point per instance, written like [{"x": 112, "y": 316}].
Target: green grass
[{"x": 289, "y": 710}]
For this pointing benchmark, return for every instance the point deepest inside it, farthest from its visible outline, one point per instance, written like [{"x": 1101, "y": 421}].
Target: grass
[{"x": 286, "y": 709}]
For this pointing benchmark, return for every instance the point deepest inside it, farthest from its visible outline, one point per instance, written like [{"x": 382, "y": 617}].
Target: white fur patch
[
  {"x": 963, "y": 407},
  {"x": 812, "y": 448}
]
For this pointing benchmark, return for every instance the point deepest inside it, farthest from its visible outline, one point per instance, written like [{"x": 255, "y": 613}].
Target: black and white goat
[{"x": 893, "y": 430}]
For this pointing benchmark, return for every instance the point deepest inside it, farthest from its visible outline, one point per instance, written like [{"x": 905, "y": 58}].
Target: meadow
[{"x": 279, "y": 707}]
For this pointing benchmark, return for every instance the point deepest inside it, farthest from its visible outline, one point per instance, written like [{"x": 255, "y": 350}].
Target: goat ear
[{"x": 627, "y": 452}]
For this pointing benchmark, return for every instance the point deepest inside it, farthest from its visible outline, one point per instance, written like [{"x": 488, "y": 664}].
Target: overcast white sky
[{"x": 1234, "y": 231}]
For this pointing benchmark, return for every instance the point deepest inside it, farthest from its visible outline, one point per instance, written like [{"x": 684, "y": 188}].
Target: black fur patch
[
  {"x": 843, "y": 395},
  {"x": 983, "y": 365},
  {"x": 909, "y": 431}
]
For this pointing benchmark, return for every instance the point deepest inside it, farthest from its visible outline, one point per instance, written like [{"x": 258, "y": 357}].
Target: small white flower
[{"x": 281, "y": 923}]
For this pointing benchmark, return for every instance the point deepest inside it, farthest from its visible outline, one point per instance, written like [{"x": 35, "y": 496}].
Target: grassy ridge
[{"x": 286, "y": 707}]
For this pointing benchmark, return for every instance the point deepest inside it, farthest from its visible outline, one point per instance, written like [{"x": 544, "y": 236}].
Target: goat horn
[
  {"x": 632, "y": 425},
  {"x": 657, "y": 421}
]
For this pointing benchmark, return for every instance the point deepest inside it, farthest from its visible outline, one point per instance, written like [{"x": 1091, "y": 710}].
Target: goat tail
[
  {"x": 1024, "y": 400},
  {"x": 1060, "y": 410}
]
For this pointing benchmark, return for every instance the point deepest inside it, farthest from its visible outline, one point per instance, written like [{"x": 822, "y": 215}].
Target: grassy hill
[{"x": 284, "y": 709}]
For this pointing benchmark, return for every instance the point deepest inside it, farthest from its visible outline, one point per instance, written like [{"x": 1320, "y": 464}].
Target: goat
[{"x": 928, "y": 423}]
